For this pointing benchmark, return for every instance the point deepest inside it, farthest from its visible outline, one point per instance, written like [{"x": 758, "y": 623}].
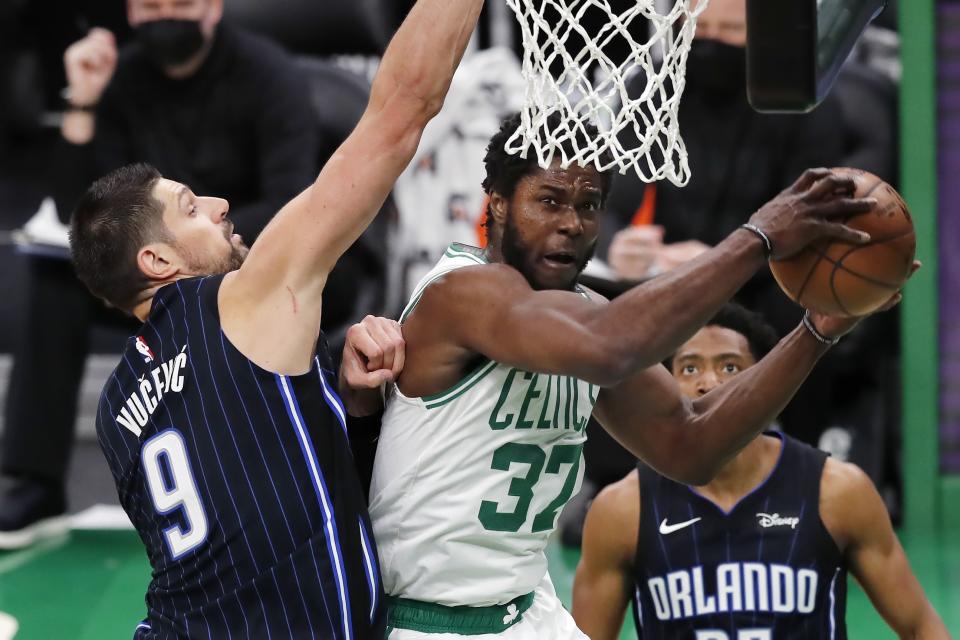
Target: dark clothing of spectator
[
  {"x": 241, "y": 128},
  {"x": 739, "y": 159}
]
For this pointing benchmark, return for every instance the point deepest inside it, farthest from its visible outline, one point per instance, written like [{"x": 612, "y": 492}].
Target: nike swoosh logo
[{"x": 670, "y": 528}]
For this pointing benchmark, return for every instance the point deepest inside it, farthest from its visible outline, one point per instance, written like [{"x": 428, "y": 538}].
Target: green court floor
[{"x": 90, "y": 585}]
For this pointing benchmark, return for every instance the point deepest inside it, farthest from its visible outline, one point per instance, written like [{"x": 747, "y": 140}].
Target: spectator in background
[
  {"x": 208, "y": 105},
  {"x": 739, "y": 159}
]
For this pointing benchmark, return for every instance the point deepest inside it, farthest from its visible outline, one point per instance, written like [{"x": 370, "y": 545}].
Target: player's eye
[
  {"x": 549, "y": 201},
  {"x": 689, "y": 370},
  {"x": 731, "y": 368}
]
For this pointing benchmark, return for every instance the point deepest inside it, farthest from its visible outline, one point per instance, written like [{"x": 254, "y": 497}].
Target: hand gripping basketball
[
  {"x": 809, "y": 210},
  {"x": 840, "y": 278}
]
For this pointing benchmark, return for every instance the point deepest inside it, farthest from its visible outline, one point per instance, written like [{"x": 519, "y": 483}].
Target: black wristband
[
  {"x": 767, "y": 245},
  {"x": 822, "y": 339}
]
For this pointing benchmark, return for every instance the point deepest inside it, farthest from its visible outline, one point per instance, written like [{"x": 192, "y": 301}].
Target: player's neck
[
  {"x": 744, "y": 473},
  {"x": 141, "y": 310}
]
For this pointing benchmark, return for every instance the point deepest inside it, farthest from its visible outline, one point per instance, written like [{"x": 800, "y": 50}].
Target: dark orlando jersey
[
  {"x": 766, "y": 570},
  {"x": 240, "y": 483}
]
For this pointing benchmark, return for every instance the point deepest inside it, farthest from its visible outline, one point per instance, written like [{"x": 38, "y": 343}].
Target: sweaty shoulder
[{"x": 848, "y": 500}]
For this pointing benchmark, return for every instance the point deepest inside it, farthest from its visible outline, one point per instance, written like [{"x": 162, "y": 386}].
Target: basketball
[{"x": 841, "y": 279}]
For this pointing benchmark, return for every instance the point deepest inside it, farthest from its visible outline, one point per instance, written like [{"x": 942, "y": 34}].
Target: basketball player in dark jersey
[
  {"x": 221, "y": 424},
  {"x": 759, "y": 553}
]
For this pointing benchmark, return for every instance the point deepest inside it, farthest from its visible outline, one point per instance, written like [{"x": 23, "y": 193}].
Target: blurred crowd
[{"x": 242, "y": 100}]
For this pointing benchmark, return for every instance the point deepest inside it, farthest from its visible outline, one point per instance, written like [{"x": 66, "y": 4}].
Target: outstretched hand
[
  {"x": 809, "y": 209},
  {"x": 836, "y": 326}
]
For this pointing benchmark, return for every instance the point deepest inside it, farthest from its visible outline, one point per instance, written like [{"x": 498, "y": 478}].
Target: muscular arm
[
  {"x": 690, "y": 440},
  {"x": 271, "y": 306},
  {"x": 561, "y": 332},
  {"x": 604, "y": 579},
  {"x": 856, "y": 517}
]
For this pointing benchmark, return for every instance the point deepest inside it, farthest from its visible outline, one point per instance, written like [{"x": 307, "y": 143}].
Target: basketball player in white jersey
[{"x": 507, "y": 358}]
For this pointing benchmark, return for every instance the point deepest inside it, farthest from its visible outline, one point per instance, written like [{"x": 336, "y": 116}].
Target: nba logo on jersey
[{"x": 144, "y": 349}]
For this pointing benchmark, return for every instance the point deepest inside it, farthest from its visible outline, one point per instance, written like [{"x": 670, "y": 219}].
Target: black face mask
[
  {"x": 170, "y": 42},
  {"x": 716, "y": 69}
]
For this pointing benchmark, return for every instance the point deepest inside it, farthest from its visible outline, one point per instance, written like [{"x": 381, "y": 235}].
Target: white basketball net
[{"x": 548, "y": 28}]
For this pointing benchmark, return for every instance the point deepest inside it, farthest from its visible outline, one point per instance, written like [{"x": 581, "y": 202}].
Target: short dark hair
[
  {"x": 761, "y": 337},
  {"x": 504, "y": 170},
  {"x": 114, "y": 219}
]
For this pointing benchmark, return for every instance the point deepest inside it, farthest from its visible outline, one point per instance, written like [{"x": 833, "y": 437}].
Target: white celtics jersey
[{"x": 468, "y": 483}]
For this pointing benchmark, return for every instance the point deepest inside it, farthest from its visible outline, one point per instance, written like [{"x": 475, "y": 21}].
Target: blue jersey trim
[
  {"x": 331, "y": 398},
  {"x": 369, "y": 566},
  {"x": 323, "y": 496}
]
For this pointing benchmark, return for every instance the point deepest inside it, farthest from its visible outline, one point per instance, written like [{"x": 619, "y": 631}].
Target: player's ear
[
  {"x": 498, "y": 207},
  {"x": 157, "y": 261}
]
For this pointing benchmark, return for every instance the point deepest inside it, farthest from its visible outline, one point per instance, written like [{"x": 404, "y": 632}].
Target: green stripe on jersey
[{"x": 461, "y": 387}]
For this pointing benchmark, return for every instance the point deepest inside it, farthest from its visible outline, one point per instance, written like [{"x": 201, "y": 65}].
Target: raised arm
[
  {"x": 302, "y": 243},
  {"x": 856, "y": 517},
  {"x": 604, "y": 580},
  {"x": 270, "y": 307}
]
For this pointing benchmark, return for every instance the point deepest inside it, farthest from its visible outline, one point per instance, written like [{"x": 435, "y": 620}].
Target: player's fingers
[
  {"x": 845, "y": 234},
  {"x": 808, "y": 178},
  {"x": 377, "y": 328},
  {"x": 916, "y": 266},
  {"x": 400, "y": 353},
  {"x": 830, "y": 185},
  {"x": 360, "y": 339},
  {"x": 846, "y": 207},
  {"x": 370, "y": 379}
]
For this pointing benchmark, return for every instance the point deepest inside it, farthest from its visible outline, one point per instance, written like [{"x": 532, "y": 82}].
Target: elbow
[
  {"x": 685, "y": 461},
  {"x": 412, "y": 101},
  {"x": 606, "y": 366}
]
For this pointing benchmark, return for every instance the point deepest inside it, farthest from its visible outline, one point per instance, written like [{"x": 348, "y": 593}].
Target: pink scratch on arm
[{"x": 293, "y": 299}]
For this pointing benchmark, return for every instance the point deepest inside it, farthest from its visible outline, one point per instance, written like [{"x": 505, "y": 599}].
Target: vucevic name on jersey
[
  {"x": 767, "y": 569},
  {"x": 240, "y": 483}
]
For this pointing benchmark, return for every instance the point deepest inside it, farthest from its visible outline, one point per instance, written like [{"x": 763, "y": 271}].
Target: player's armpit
[
  {"x": 856, "y": 517},
  {"x": 604, "y": 578}
]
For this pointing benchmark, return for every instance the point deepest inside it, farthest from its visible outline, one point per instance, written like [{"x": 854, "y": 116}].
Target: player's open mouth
[{"x": 560, "y": 259}]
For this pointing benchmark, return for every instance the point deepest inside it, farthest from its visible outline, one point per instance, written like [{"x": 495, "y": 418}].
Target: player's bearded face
[
  {"x": 215, "y": 258},
  {"x": 525, "y": 258},
  {"x": 551, "y": 223}
]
